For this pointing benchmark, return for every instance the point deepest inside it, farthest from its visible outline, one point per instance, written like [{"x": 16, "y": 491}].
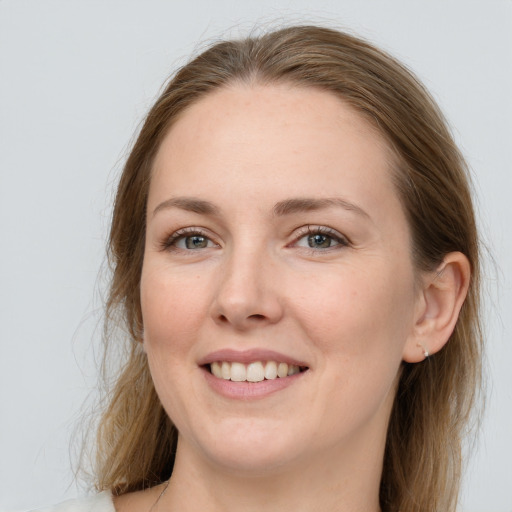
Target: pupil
[
  {"x": 196, "y": 242},
  {"x": 317, "y": 240}
]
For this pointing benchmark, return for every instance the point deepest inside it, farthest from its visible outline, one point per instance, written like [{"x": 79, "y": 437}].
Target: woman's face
[{"x": 275, "y": 237}]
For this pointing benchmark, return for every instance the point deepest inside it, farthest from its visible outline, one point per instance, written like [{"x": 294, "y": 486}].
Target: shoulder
[
  {"x": 139, "y": 501},
  {"x": 101, "y": 502}
]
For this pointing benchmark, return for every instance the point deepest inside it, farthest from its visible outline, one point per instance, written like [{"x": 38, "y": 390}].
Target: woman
[{"x": 296, "y": 262}]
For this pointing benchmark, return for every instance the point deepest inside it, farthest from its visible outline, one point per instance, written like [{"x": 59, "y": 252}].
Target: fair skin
[{"x": 275, "y": 234}]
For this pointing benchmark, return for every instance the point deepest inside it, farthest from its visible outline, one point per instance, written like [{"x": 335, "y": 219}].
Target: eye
[
  {"x": 188, "y": 240},
  {"x": 320, "y": 241},
  {"x": 321, "y": 238},
  {"x": 193, "y": 242}
]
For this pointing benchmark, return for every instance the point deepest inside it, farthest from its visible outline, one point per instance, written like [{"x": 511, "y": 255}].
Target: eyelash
[
  {"x": 341, "y": 241},
  {"x": 169, "y": 243}
]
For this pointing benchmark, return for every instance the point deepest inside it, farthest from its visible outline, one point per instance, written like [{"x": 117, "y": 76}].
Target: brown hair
[{"x": 422, "y": 462}]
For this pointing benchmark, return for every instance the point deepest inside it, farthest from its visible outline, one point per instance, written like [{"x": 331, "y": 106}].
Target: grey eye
[
  {"x": 188, "y": 240},
  {"x": 320, "y": 241},
  {"x": 196, "y": 242}
]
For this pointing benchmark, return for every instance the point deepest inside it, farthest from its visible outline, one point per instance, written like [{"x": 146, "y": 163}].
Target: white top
[{"x": 101, "y": 502}]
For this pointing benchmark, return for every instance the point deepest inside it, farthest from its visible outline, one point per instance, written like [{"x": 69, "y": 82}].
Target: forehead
[{"x": 273, "y": 140}]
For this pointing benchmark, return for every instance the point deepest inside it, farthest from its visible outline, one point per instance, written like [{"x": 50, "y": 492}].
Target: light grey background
[{"x": 76, "y": 78}]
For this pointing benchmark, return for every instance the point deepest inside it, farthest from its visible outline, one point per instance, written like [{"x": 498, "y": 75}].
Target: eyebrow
[
  {"x": 282, "y": 208},
  {"x": 190, "y": 204},
  {"x": 306, "y": 204}
]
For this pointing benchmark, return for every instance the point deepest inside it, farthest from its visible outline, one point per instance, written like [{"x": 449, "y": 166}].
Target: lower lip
[{"x": 250, "y": 390}]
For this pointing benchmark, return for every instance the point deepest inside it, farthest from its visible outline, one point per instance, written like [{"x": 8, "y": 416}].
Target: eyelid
[
  {"x": 310, "y": 229},
  {"x": 168, "y": 242}
]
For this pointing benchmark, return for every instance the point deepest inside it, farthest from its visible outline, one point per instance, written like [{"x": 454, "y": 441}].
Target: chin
[
  {"x": 250, "y": 447},
  {"x": 250, "y": 463}
]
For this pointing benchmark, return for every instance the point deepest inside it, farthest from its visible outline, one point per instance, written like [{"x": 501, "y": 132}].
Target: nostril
[{"x": 258, "y": 317}]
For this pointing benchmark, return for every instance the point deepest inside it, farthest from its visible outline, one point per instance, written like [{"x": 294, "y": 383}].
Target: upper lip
[{"x": 249, "y": 356}]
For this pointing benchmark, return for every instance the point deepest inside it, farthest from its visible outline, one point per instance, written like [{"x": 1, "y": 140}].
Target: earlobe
[{"x": 441, "y": 298}]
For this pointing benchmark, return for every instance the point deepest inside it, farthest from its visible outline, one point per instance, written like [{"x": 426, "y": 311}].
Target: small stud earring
[{"x": 426, "y": 353}]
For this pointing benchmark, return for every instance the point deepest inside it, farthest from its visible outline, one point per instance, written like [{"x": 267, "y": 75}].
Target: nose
[{"x": 248, "y": 291}]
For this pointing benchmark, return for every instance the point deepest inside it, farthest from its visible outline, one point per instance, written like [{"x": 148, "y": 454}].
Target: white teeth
[
  {"x": 226, "y": 370},
  {"x": 238, "y": 372},
  {"x": 216, "y": 370},
  {"x": 282, "y": 370},
  {"x": 271, "y": 370},
  {"x": 253, "y": 372}
]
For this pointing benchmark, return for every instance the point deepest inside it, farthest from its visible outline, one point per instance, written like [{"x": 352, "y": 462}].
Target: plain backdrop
[{"x": 76, "y": 78}]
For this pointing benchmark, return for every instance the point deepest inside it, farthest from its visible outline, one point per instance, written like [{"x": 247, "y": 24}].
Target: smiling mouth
[{"x": 257, "y": 371}]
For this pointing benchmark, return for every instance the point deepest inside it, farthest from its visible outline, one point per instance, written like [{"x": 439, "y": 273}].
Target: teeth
[
  {"x": 226, "y": 370},
  {"x": 253, "y": 372},
  {"x": 271, "y": 370},
  {"x": 282, "y": 370},
  {"x": 293, "y": 369},
  {"x": 238, "y": 372},
  {"x": 216, "y": 370}
]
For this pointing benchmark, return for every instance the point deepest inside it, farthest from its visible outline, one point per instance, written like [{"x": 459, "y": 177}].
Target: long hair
[{"x": 422, "y": 462}]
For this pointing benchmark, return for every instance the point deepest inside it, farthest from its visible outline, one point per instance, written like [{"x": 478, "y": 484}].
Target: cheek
[
  {"x": 171, "y": 304},
  {"x": 358, "y": 311},
  {"x": 171, "y": 307},
  {"x": 359, "y": 325}
]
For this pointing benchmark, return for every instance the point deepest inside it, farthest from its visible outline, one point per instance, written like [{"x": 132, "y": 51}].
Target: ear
[{"x": 438, "y": 305}]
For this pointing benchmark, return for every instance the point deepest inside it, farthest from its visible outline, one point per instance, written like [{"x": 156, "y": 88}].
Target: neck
[{"x": 328, "y": 482}]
